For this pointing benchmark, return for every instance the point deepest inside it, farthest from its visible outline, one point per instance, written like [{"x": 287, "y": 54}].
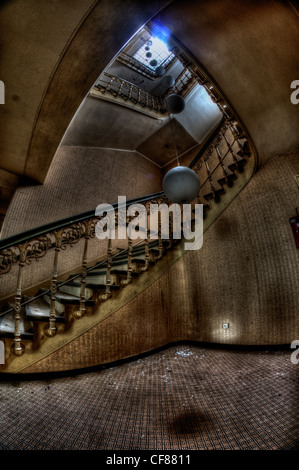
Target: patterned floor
[{"x": 183, "y": 397}]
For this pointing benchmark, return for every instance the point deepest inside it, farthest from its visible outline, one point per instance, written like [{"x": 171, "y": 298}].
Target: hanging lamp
[{"x": 180, "y": 184}]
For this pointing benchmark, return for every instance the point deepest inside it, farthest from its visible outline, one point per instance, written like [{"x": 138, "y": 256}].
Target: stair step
[
  {"x": 98, "y": 280},
  {"x": 142, "y": 260},
  {"x": 229, "y": 179},
  {"x": 123, "y": 262},
  {"x": 90, "y": 274},
  {"x": 74, "y": 289},
  {"x": 124, "y": 272},
  {"x": 245, "y": 150},
  {"x": 214, "y": 195},
  {"x": 7, "y": 327},
  {"x": 134, "y": 253},
  {"x": 39, "y": 310},
  {"x": 93, "y": 284},
  {"x": 114, "y": 270},
  {"x": 70, "y": 299},
  {"x": 65, "y": 298},
  {"x": 237, "y": 165},
  {"x": 155, "y": 250},
  {"x": 124, "y": 257}
]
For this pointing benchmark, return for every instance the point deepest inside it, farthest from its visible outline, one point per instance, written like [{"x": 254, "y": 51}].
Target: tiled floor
[{"x": 182, "y": 397}]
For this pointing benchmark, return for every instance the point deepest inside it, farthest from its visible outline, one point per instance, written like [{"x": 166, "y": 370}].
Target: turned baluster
[
  {"x": 157, "y": 105},
  {"x": 120, "y": 87},
  {"x": 238, "y": 134},
  {"x": 160, "y": 245},
  {"x": 130, "y": 264},
  {"x": 171, "y": 227},
  {"x": 221, "y": 163},
  {"x": 231, "y": 150},
  {"x": 81, "y": 312},
  {"x": 107, "y": 293},
  {"x": 130, "y": 92},
  {"x": 209, "y": 175},
  {"x": 18, "y": 348},
  {"x": 109, "y": 85},
  {"x": 146, "y": 243},
  {"x": 50, "y": 329}
]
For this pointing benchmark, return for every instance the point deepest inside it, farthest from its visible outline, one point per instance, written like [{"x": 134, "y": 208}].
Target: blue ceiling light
[{"x": 158, "y": 50}]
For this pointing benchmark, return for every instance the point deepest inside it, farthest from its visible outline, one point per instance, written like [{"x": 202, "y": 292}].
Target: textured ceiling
[{"x": 52, "y": 52}]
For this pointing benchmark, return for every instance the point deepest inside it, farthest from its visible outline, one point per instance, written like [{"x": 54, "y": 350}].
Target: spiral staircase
[{"x": 36, "y": 321}]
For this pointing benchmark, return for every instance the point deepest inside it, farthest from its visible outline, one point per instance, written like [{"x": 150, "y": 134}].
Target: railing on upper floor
[
  {"x": 120, "y": 90},
  {"x": 130, "y": 61}
]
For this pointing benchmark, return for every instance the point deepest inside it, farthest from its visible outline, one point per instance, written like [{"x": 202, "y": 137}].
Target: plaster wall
[
  {"x": 246, "y": 274},
  {"x": 79, "y": 179}
]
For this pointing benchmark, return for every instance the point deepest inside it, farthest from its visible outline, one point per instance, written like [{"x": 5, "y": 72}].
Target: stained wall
[{"x": 246, "y": 274}]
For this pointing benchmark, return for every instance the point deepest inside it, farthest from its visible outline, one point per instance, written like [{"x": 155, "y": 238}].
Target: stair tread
[
  {"x": 7, "y": 327},
  {"x": 66, "y": 298},
  {"x": 211, "y": 195},
  {"x": 76, "y": 286},
  {"x": 230, "y": 177},
  {"x": 240, "y": 163},
  {"x": 96, "y": 280},
  {"x": 39, "y": 310},
  {"x": 124, "y": 272},
  {"x": 94, "y": 285},
  {"x": 112, "y": 271}
]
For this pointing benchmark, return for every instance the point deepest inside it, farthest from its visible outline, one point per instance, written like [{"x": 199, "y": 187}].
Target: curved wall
[
  {"x": 249, "y": 49},
  {"x": 246, "y": 274},
  {"x": 79, "y": 179}
]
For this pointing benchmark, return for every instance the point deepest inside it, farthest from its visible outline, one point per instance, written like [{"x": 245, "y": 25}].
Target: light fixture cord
[{"x": 174, "y": 143}]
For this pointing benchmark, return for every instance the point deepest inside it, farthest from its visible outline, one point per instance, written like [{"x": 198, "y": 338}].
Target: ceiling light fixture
[{"x": 180, "y": 184}]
